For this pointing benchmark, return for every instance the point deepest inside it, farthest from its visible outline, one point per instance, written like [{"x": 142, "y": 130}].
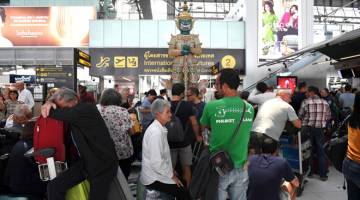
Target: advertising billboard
[
  {"x": 45, "y": 26},
  {"x": 278, "y": 32}
]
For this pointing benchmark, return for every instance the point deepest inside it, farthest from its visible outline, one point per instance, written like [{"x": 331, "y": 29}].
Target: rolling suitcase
[
  {"x": 119, "y": 188},
  {"x": 49, "y": 147}
]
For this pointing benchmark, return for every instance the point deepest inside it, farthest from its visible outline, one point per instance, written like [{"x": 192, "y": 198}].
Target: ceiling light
[
  {"x": 348, "y": 57},
  {"x": 126, "y": 78}
]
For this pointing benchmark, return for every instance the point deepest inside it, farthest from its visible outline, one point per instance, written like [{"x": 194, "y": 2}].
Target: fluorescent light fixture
[
  {"x": 108, "y": 77},
  {"x": 354, "y": 56},
  {"x": 322, "y": 62},
  {"x": 126, "y": 78}
]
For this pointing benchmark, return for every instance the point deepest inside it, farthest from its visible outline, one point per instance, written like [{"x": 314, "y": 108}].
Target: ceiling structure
[
  {"x": 336, "y": 3},
  {"x": 334, "y": 17},
  {"x": 202, "y": 9}
]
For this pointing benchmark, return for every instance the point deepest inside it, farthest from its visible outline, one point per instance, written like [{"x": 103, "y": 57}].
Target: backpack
[{"x": 175, "y": 128}]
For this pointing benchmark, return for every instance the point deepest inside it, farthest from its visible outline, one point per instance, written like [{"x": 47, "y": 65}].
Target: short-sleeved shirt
[
  {"x": 147, "y": 118},
  {"x": 199, "y": 109},
  {"x": 315, "y": 112},
  {"x": 265, "y": 175},
  {"x": 223, "y": 116},
  {"x": 297, "y": 99},
  {"x": 184, "y": 113},
  {"x": 347, "y": 100},
  {"x": 272, "y": 117},
  {"x": 117, "y": 120}
]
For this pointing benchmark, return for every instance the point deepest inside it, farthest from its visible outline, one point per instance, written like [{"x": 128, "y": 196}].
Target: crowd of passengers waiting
[{"x": 242, "y": 130}]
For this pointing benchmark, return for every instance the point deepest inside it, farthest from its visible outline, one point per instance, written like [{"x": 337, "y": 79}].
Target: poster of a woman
[
  {"x": 278, "y": 28},
  {"x": 269, "y": 21}
]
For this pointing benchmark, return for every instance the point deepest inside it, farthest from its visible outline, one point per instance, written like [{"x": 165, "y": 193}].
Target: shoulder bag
[{"x": 221, "y": 160}]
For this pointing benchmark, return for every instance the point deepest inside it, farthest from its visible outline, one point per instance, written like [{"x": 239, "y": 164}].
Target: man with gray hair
[
  {"x": 25, "y": 95},
  {"x": 156, "y": 168},
  {"x": 271, "y": 119},
  {"x": 15, "y": 122},
  {"x": 98, "y": 161}
]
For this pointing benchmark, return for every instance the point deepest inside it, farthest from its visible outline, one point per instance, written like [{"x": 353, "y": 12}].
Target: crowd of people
[{"x": 239, "y": 131}]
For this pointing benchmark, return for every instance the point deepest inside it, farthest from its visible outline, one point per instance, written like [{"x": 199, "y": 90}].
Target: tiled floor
[
  {"x": 314, "y": 189},
  {"x": 332, "y": 189}
]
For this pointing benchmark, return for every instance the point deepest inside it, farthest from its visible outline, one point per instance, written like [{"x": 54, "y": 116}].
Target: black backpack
[{"x": 175, "y": 128}]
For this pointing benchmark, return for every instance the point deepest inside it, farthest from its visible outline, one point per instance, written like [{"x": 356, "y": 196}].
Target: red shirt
[{"x": 86, "y": 97}]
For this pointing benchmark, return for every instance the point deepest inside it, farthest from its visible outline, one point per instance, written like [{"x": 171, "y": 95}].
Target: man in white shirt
[
  {"x": 25, "y": 95},
  {"x": 261, "y": 94},
  {"x": 272, "y": 117},
  {"x": 156, "y": 167},
  {"x": 15, "y": 122}
]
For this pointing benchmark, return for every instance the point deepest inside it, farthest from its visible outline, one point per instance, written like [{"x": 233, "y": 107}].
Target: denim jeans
[
  {"x": 317, "y": 140},
  {"x": 234, "y": 184},
  {"x": 351, "y": 171}
]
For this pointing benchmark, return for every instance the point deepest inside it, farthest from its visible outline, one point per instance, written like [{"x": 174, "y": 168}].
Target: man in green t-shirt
[{"x": 222, "y": 117}]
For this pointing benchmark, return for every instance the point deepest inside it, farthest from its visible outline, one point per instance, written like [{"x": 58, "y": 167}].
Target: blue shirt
[
  {"x": 199, "y": 109},
  {"x": 347, "y": 100},
  {"x": 147, "y": 118},
  {"x": 265, "y": 175}
]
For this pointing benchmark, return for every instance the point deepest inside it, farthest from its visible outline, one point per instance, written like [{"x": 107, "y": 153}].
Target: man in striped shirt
[{"x": 314, "y": 113}]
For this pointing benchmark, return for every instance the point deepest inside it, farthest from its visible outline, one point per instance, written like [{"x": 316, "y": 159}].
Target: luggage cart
[{"x": 297, "y": 151}]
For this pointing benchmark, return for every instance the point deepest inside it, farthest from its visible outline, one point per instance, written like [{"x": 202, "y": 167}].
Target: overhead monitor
[
  {"x": 356, "y": 72},
  {"x": 346, "y": 73},
  {"x": 287, "y": 82}
]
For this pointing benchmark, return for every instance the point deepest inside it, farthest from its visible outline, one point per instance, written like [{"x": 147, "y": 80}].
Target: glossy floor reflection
[{"x": 332, "y": 189}]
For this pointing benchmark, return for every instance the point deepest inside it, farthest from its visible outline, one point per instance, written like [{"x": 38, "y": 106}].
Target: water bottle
[{"x": 205, "y": 135}]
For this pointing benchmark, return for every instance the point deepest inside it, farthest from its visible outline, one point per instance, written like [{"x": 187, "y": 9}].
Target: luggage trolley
[{"x": 298, "y": 156}]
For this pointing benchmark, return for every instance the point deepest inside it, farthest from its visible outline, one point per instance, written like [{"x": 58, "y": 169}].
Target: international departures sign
[{"x": 150, "y": 61}]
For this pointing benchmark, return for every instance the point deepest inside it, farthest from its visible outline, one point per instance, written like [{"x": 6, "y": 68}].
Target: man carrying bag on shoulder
[{"x": 230, "y": 121}]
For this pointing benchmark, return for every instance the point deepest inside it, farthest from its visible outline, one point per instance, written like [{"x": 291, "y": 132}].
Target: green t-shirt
[{"x": 222, "y": 116}]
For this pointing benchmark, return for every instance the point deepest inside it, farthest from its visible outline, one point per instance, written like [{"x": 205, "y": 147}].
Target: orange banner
[{"x": 45, "y": 26}]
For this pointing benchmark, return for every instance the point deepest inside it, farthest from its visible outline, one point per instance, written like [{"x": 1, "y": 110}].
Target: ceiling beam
[{"x": 145, "y": 6}]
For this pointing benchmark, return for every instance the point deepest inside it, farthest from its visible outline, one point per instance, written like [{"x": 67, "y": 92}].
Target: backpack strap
[
  {"x": 239, "y": 124},
  {"x": 177, "y": 107}
]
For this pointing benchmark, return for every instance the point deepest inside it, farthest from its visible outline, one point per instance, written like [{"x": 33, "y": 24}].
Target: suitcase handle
[{"x": 46, "y": 152}]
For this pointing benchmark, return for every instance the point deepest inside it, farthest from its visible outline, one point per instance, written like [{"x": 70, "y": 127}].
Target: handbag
[{"x": 221, "y": 160}]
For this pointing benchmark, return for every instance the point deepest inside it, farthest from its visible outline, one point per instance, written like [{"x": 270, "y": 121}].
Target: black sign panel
[
  {"x": 149, "y": 61},
  {"x": 82, "y": 58},
  {"x": 24, "y": 78},
  {"x": 60, "y": 76}
]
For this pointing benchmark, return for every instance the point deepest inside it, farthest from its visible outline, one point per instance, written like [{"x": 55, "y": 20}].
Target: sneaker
[{"x": 324, "y": 178}]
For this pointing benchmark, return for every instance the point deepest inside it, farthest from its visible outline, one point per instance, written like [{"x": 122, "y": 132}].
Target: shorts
[{"x": 184, "y": 154}]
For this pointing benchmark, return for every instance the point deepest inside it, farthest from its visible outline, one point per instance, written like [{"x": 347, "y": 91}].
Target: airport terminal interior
[{"x": 179, "y": 99}]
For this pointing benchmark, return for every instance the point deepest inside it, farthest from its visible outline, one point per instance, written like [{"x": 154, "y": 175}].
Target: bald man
[
  {"x": 25, "y": 95},
  {"x": 272, "y": 117}
]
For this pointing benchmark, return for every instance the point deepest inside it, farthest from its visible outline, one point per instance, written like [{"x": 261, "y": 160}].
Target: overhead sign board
[
  {"x": 82, "y": 58},
  {"x": 148, "y": 61},
  {"x": 60, "y": 76},
  {"x": 23, "y": 78}
]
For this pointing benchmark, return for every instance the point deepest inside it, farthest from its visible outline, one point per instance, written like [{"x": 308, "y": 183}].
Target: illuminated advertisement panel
[
  {"x": 45, "y": 26},
  {"x": 278, "y": 28}
]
